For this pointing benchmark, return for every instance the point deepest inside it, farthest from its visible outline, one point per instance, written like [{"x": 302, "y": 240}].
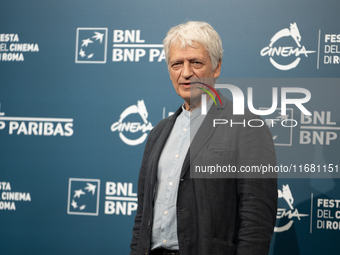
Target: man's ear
[{"x": 217, "y": 70}]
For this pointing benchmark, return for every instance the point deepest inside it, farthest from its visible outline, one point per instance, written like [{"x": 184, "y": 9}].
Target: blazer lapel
[
  {"x": 158, "y": 148},
  {"x": 204, "y": 132}
]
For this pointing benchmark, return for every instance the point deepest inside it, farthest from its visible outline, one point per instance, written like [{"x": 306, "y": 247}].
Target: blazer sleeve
[
  {"x": 257, "y": 196},
  {"x": 140, "y": 191}
]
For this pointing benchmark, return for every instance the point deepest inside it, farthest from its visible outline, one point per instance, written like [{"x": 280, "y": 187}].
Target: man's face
[{"x": 188, "y": 63}]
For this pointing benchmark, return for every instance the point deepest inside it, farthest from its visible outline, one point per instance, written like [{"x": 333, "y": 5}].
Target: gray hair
[{"x": 195, "y": 31}]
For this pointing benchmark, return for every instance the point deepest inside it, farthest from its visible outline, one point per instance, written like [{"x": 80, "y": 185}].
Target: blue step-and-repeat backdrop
[{"x": 83, "y": 82}]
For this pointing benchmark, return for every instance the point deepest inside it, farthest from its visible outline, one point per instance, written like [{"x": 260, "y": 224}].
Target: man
[{"x": 181, "y": 215}]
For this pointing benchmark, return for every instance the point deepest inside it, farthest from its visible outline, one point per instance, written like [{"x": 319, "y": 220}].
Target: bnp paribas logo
[
  {"x": 91, "y": 45},
  {"x": 83, "y": 196}
]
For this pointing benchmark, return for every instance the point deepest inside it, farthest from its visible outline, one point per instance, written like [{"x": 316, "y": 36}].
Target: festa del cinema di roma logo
[
  {"x": 286, "y": 51},
  {"x": 122, "y": 126}
]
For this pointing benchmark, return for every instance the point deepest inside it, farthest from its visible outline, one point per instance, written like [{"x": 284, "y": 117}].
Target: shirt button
[
  {"x": 149, "y": 222},
  {"x": 185, "y": 130},
  {"x": 164, "y": 241},
  {"x": 176, "y": 156},
  {"x": 146, "y": 251},
  {"x": 166, "y": 212},
  {"x": 170, "y": 183}
]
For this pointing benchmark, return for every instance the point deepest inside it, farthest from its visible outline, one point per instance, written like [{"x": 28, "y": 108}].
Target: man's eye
[
  {"x": 197, "y": 64},
  {"x": 176, "y": 65}
]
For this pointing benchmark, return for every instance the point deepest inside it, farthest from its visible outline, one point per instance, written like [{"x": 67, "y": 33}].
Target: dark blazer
[{"x": 216, "y": 215}]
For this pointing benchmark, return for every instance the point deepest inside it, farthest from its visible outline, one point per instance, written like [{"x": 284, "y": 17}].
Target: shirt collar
[{"x": 197, "y": 111}]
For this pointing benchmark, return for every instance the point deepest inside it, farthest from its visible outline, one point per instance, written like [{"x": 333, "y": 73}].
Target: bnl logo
[
  {"x": 83, "y": 196},
  {"x": 91, "y": 45}
]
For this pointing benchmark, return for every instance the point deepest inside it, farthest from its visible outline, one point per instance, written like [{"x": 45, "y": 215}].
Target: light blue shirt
[{"x": 164, "y": 230}]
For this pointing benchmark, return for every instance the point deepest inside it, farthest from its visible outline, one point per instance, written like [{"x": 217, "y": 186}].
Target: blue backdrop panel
[{"x": 83, "y": 83}]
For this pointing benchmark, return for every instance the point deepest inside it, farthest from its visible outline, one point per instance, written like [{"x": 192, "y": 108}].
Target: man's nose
[{"x": 187, "y": 71}]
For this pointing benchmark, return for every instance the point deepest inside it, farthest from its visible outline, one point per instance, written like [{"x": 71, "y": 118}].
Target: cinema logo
[
  {"x": 286, "y": 51},
  {"x": 36, "y": 126},
  {"x": 134, "y": 128},
  {"x": 286, "y": 213}
]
